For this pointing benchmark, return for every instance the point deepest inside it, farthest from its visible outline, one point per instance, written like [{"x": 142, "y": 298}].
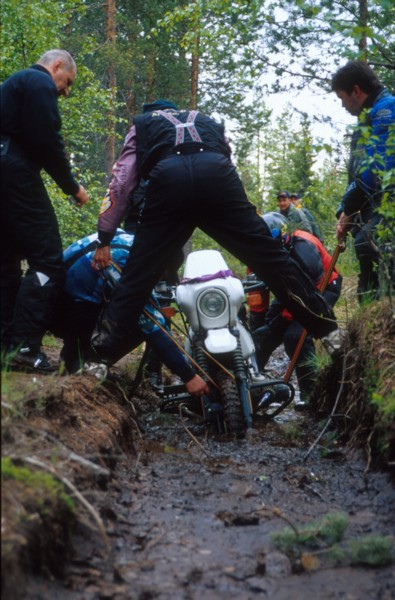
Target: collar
[
  {"x": 40, "y": 68},
  {"x": 371, "y": 99}
]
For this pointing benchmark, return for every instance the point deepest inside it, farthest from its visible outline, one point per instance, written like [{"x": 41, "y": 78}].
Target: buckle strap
[{"x": 180, "y": 127}]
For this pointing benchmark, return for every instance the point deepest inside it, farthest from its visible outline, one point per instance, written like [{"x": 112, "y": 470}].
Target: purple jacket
[{"x": 124, "y": 180}]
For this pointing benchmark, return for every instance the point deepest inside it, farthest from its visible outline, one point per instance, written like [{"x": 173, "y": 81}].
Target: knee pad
[{"x": 43, "y": 279}]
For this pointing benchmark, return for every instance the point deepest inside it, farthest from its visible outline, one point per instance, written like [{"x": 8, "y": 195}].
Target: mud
[{"x": 190, "y": 516}]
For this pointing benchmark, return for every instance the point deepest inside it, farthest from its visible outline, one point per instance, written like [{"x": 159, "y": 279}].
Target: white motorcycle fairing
[
  {"x": 207, "y": 270},
  {"x": 220, "y": 341}
]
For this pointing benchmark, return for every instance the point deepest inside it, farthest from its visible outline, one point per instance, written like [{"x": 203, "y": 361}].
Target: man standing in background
[
  {"x": 296, "y": 201},
  {"x": 295, "y": 216},
  {"x": 372, "y": 159}
]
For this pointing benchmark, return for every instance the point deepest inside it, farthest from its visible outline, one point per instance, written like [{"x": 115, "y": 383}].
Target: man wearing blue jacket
[
  {"x": 372, "y": 158},
  {"x": 86, "y": 291}
]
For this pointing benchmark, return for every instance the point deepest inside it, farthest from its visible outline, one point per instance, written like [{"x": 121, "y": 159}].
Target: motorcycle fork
[{"x": 242, "y": 382}]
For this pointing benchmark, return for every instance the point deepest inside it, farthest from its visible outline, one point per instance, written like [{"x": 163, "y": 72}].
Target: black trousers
[
  {"x": 74, "y": 321},
  {"x": 368, "y": 256},
  {"x": 29, "y": 230},
  {"x": 202, "y": 190}
]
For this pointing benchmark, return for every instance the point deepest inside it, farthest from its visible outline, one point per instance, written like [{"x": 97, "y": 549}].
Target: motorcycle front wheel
[{"x": 229, "y": 398}]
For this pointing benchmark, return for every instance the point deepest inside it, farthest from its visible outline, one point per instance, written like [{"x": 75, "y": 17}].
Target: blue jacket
[{"x": 372, "y": 155}]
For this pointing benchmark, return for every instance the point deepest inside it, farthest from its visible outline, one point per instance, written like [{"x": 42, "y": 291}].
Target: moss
[
  {"x": 325, "y": 538},
  {"x": 327, "y": 531},
  {"x": 372, "y": 551},
  {"x": 37, "y": 480},
  {"x": 38, "y": 517}
]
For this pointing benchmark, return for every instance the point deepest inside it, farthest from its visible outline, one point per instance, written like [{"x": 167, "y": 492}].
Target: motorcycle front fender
[{"x": 220, "y": 341}]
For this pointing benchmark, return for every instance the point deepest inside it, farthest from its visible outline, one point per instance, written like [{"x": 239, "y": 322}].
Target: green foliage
[
  {"x": 75, "y": 222},
  {"x": 328, "y": 531},
  {"x": 324, "y": 537},
  {"x": 44, "y": 483},
  {"x": 372, "y": 551},
  {"x": 385, "y": 405},
  {"x": 51, "y": 341},
  {"x": 307, "y": 38},
  {"x": 323, "y": 198},
  {"x": 30, "y": 28}
]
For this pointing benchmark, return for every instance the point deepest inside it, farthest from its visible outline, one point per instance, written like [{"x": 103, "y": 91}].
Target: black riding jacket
[
  {"x": 158, "y": 136},
  {"x": 30, "y": 118}
]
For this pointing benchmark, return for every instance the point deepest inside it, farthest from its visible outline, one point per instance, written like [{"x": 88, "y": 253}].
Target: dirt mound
[
  {"x": 357, "y": 390},
  {"x": 61, "y": 437}
]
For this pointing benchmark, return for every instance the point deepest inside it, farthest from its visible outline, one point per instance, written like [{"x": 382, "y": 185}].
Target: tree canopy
[{"x": 224, "y": 57}]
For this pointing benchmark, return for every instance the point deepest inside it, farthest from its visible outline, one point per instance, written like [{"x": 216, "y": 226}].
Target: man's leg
[
  {"x": 10, "y": 279},
  {"x": 368, "y": 258},
  {"x": 81, "y": 318},
  {"x": 226, "y": 215},
  {"x": 268, "y": 337},
  {"x": 30, "y": 219},
  {"x": 166, "y": 225}
]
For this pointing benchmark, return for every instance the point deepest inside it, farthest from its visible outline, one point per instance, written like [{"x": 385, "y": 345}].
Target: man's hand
[
  {"x": 197, "y": 386},
  {"x": 81, "y": 196},
  {"x": 343, "y": 225},
  {"x": 101, "y": 258}
]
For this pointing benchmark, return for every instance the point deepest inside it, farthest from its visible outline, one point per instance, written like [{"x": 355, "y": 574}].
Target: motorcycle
[{"x": 210, "y": 300}]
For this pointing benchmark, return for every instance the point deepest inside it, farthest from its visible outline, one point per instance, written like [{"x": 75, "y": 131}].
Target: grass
[
  {"x": 39, "y": 481},
  {"x": 325, "y": 538}
]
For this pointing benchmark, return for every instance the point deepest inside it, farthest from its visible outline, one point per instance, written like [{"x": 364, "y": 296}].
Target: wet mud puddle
[{"x": 193, "y": 519}]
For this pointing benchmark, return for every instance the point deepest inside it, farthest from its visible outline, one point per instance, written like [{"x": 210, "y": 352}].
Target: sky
[{"x": 315, "y": 104}]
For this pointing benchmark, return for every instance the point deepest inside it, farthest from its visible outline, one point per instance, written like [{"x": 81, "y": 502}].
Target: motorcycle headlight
[{"x": 213, "y": 303}]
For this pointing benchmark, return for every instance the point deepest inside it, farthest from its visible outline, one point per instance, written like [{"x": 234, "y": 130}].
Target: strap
[
  {"x": 180, "y": 127},
  {"x": 89, "y": 248},
  {"x": 218, "y": 275}
]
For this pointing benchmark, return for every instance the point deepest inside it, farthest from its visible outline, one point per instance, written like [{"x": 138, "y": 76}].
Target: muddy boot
[
  {"x": 31, "y": 361},
  {"x": 334, "y": 341},
  {"x": 98, "y": 370}
]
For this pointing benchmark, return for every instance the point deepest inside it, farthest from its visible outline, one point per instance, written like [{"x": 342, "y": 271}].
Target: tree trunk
[
  {"x": 111, "y": 84},
  {"x": 194, "y": 75},
  {"x": 363, "y": 22}
]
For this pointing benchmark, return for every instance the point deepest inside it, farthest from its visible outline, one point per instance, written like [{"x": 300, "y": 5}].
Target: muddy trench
[{"x": 190, "y": 516}]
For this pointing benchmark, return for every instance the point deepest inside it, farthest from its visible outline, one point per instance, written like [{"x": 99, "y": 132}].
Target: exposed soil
[{"x": 176, "y": 513}]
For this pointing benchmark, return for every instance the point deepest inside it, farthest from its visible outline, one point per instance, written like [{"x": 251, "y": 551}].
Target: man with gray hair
[{"x": 31, "y": 141}]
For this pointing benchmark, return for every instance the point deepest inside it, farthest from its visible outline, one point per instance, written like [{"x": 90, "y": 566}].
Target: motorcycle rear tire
[{"x": 229, "y": 397}]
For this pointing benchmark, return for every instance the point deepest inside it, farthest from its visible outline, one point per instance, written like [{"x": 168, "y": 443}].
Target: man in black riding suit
[
  {"x": 192, "y": 183},
  {"x": 31, "y": 141}
]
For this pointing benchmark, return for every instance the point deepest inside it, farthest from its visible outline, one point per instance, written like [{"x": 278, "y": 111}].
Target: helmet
[{"x": 277, "y": 223}]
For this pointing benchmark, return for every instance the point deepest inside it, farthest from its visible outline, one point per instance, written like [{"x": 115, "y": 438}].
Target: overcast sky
[{"x": 315, "y": 104}]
